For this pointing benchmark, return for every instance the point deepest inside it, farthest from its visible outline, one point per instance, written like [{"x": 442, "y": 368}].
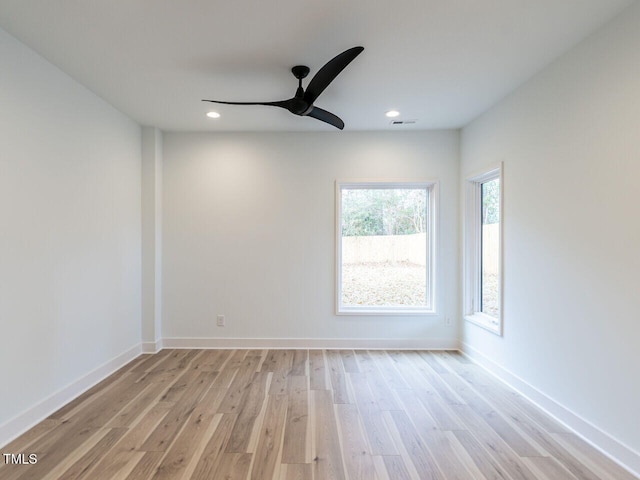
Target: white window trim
[
  {"x": 432, "y": 236},
  {"x": 472, "y": 252}
]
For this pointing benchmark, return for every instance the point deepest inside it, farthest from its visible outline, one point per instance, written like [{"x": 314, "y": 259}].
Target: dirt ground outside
[
  {"x": 384, "y": 284},
  {"x": 490, "y": 301},
  {"x": 399, "y": 284}
]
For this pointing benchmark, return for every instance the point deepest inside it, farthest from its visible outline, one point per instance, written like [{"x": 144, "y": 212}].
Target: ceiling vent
[{"x": 402, "y": 122}]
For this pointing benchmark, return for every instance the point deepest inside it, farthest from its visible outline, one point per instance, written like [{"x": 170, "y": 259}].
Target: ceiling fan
[{"x": 302, "y": 103}]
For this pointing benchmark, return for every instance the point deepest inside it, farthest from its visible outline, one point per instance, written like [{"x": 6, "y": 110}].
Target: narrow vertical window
[
  {"x": 384, "y": 247},
  {"x": 483, "y": 250},
  {"x": 490, "y": 239}
]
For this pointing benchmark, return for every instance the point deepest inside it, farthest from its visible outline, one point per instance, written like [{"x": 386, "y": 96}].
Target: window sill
[
  {"x": 485, "y": 321},
  {"x": 385, "y": 311}
]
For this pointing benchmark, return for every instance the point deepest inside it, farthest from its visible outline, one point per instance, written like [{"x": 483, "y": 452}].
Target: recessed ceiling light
[
  {"x": 392, "y": 113},
  {"x": 213, "y": 115}
]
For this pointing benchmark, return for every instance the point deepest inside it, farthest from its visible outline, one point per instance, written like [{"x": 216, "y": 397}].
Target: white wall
[
  {"x": 248, "y": 232},
  {"x": 570, "y": 142},
  {"x": 151, "y": 238},
  {"x": 70, "y": 233}
]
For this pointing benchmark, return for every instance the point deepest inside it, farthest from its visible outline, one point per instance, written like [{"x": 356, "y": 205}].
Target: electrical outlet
[
  {"x": 220, "y": 320},
  {"x": 447, "y": 321}
]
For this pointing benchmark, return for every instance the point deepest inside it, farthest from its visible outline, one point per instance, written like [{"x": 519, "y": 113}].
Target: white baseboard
[
  {"x": 617, "y": 451},
  {"x": 35, "y": 414},
  {"x": 152, "y": 347},
  {"x": 314, "y": 343}
]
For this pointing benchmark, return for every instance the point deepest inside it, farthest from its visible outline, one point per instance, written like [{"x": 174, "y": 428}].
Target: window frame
[
  {"x": 431, "y": 186},
  {"x": 472, "y": 297}
]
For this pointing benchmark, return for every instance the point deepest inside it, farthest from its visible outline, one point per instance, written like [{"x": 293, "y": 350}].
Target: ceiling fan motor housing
[{"x": 300, "y": 71}]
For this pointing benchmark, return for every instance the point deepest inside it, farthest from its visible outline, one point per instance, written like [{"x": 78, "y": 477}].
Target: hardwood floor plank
[
  {"x": 179, "y": 455},
  {"x": 117, "y": 376},
  {"x": 298, "y": 471},
  {"x": 560, "y": 453},
  {"x": 507, "y": 400},
  {"x": 148, "y": 396},
  {"x": 164, "y": 434},
  {"x": 384, "y": 397},
  {"x": 444, "y": 391},
  {"x": 457, "y": 356},
  {"x": 436, "y": 441},
  {"x": 233, "y": 466},
  {"x": 412, "y": 406},
  {"x": 328, "y": 463},
  {"x": 247, "y": 413},
  {"x": 547, "y": 468},
  {"x": 356, "y": 451},
  {"x": 435, "y": 365},
  {"x": 236, "y": 358},
  {"x": 421, "y": 458},
  {"x": 238, "y": 388},
  {"x": 134, "y": 459},
  {"x": 209, "y": 361},
  {"x": 270, "y": 439},
  {"x": 506, "y": 458},
  {"x": 224, "y": 378},
  {"x": 85, "y": 399},
  {"x": 109, "y": 404},
  {"x": 337, "y": 377},
  {"x": 213, "y": 451},
  {"x": 299, "y": 365},
  {"x": 221, "y": 357},
  {"x": 317, "y": 370},
  {"x": 188, "y": 357},
  {"x": 22, "y": 443},
  {"x": 489, "y": 466},
  {"x": 75, "y": 455},
  {"x": 277, "y": 360},
  {"x": 179, "y": 386},
  {"x": 53, "y": 449},
  {"x": 146, "y": 466},
  {"x": 349, "y": 361},
  {"x": 149, "y": 360},
  {"x": 430, "y": 397},
  {"x": 372, "y": 417},
  {"x": 388, "y": 369},
  {"x": 364, "y": 361},
  {"x": 462, "y": 455},
  {"x": 200, "y": 446},
  {"x": 596, "y": 461},
  {"x": 281, "y": 368},
  {"x": 523, "y": 444},
  {"x": 296, "y": 431},
  {"x": 126, "y": 450},
  {"x": 83, "y": 467},
  {"x": 395, "y": 467}
]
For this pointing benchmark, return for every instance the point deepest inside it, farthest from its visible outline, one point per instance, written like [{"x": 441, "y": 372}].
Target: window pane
[
  {"x": 384, "y": 247},
  {"x": 490, "y": 196}
]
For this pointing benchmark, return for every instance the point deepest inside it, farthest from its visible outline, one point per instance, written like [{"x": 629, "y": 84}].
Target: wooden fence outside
[{"x": 412, "y": 248}]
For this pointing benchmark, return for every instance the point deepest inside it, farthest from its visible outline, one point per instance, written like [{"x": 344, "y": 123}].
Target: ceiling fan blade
[
  {"x": 331, "y": 70},
  {"x": 281, "y": 103},
  {"x": 326, "y": 117}
]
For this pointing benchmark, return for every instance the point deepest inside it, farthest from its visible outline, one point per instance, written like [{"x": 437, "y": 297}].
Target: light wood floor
[{"x": 301, "y": 415}]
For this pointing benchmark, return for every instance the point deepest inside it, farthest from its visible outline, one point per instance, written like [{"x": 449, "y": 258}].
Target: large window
[
  {"x": 385, "y": 247},
  {"x": 483, "y": 250}
]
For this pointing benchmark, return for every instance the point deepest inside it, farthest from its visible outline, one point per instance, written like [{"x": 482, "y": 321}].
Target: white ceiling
[{"x": 440, "y": 62}]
